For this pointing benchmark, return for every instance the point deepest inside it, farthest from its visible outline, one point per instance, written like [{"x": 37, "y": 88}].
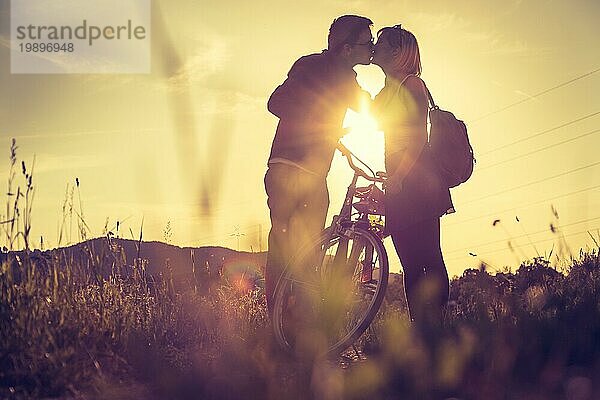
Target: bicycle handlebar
[{"x": 358, "y": 171}]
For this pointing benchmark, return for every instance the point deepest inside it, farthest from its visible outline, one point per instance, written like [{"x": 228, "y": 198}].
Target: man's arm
[{"x": 289, "y": 98}]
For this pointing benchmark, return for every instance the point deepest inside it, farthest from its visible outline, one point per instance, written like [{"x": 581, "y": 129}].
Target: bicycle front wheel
[{"x": 330, "y": 293}]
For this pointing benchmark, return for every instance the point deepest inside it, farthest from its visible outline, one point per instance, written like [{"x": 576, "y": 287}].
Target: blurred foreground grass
[{"x": 534, "y": 334}]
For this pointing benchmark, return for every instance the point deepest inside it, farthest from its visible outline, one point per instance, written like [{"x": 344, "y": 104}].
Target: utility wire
[
  {"x": 536, "y": 242},
  {"x": 540, "y": 133},
  {"x": 496, "y": 213},
  {"x": 535, "y": 95},
  {"x": 194, "y": 243},
  {"x": 538, "y": 150},
  {"x": 473, "y": 247},
  {"x": 533, "y": 183}
]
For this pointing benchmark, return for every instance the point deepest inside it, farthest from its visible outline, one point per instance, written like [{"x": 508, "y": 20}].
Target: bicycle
[{"x": 329, "y": 294}]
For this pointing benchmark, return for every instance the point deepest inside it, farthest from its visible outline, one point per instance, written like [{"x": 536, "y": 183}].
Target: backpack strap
[
  {"x": 432, "y": 104},
  {"x": 405, "y": 78}
]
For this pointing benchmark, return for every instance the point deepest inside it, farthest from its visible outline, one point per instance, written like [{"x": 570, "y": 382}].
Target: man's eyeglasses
[{"x": 369, "y": 43}]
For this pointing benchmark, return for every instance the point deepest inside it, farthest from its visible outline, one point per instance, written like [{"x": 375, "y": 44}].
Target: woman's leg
[
  {"x": 412, "y": 274},
  {"x": 425, "y": 274},
  {"x": 435, "y": 268}
]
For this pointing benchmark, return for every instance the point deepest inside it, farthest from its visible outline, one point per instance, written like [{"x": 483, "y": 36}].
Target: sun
[{"x": 364, "y": 138}]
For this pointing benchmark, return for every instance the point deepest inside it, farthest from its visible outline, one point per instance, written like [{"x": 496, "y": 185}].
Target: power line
[
  {"x": 236, "y": 233},
  {"x": 520, "y": 236},
  {"x": 540, "y": 133},
  {"x": 536, "y": 242},
  {"x": 535, "y": 95},
  {"x": 220, "y": 236},
  {"x": 533, "y": 183},
  {"x": 78, "y": 132},
  {"x": 214, "y": 214},
  {"x": 494, "y": 214},
  {"x": 538, "y": 150}
]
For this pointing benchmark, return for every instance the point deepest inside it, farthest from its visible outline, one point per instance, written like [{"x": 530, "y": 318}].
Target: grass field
[
  {"x": 101, "y": 327},
  {"x": 533, "y": 334}
]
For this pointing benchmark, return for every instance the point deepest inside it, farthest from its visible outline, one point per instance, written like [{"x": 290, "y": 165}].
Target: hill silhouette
[
  {"x": 185, "y": 265},
  {"x": 188, "y": 267}
]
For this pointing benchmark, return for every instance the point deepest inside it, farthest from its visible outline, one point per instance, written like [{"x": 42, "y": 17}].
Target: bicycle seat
[
  {"x": 361, "y": 192},
  {"x": 371, "y": 200}
]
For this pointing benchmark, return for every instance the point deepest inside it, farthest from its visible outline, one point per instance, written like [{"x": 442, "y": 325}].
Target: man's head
[{"x": 350, "y": 37}]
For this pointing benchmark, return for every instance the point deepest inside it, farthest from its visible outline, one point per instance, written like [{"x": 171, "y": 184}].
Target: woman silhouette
[{"x": 415, "y": 195}]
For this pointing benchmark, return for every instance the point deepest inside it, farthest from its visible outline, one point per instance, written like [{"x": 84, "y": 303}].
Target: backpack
[{"x": 449, "y": 145}]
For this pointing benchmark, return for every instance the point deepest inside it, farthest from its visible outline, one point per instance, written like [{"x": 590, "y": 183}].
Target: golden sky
[{"x": 188, "y": 143}]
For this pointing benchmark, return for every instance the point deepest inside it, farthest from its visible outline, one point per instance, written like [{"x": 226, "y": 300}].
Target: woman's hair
[{"x": 406, "y": 49}]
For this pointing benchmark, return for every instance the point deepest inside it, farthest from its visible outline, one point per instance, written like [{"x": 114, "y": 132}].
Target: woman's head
[{"x": 397, "y": 51}]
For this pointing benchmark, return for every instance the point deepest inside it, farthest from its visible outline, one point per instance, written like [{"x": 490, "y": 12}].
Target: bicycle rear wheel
[{"x": 330, "y": 293}]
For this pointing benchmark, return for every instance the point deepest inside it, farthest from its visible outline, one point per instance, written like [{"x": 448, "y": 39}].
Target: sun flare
[{"x": 364, "y": 138}]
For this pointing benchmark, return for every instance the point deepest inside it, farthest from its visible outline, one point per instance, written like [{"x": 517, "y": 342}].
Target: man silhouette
[{"x": 311, "y": 104}]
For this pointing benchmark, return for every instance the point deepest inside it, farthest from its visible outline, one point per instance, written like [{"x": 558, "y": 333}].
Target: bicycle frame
[
  {"x": 343, "y": 224},
  {"x": 344, "y": 219}
]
